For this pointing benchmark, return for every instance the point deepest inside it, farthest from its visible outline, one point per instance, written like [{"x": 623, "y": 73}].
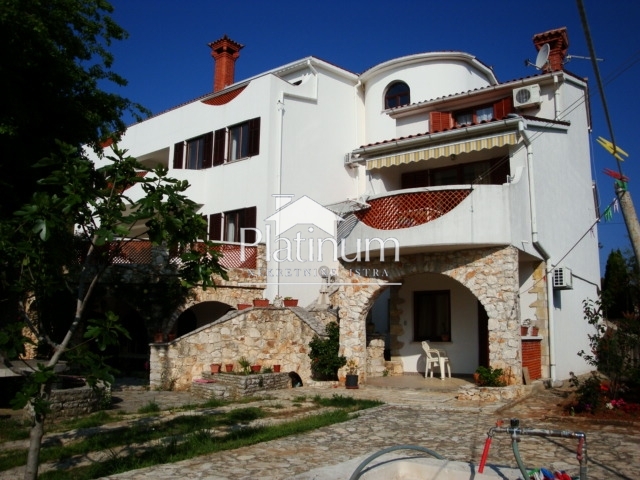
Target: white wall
[{"x": 463, "y": 349}]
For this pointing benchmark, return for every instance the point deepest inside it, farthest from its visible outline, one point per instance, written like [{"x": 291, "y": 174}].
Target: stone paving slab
[{"x": 431, "y": 419}]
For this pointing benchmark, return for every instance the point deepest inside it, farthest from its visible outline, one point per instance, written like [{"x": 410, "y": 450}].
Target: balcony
[
  {"x": 407, "y": 210},
  {"x": 431, "y": 219},
  {"x": 142, "y": 252}
]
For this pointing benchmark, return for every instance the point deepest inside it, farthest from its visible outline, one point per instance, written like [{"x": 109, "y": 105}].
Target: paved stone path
[{"x": 430, "y": 417}]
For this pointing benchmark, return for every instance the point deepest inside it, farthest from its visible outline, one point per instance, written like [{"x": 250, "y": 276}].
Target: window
[
  {"x": 398, "y": 94},
  {"x": 476, "y": 115},
  {"x": 431, "y": 315},
  {"x": 199, "y": 152},
  {"x": 439, "y": 121},
  {"x": 236, "y": 142},
  {"x": 222, "y": 146},
  {"x": 486, "y": 172},
  {"x": 227, "y": 226}
]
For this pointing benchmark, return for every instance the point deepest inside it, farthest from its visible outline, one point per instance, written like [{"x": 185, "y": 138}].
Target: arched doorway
[
  {"x": 488, "y": 277},
  {"x": 198, "y": 315}
]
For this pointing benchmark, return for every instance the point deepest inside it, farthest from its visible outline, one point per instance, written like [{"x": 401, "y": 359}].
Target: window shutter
[
  {"x": 208, "y": 150},
  {"x": 502, "y": 108},
  {"x": 440, "y": 121},
  {"x": 219, "y": 144},
  {"x": 178, "y": 154},
  {"x": 215, "y": 227},
  {"x": 250, "y": 215},
  {"x": 254, "y": 137}
]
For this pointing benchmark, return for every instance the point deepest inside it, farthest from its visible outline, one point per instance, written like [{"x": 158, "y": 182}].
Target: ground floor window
[{"x": 432, "y": 315}]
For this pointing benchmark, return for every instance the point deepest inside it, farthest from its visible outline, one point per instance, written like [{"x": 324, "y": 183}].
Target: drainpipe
[
  {"x": 281, "y": 109},
  {"x": 522, "y": 128}
]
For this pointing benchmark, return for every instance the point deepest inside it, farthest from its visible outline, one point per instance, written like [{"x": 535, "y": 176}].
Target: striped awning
[{"x": 443, "y": 150}]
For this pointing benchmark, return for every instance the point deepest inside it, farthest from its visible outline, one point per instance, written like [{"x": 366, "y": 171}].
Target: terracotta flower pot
[
  {"x": 261, "y": 302},
  {"x": 292, "y": 302},
  {"x": 534, "y": 331},
  {"x": 244, "y": 306},
  {"x": 215, "y": 367},
  {"x": 256, "y": 368},
  {"x": 158, "y": 337},
  {"x": 276, "y": 368},
  {"x": 229, "y": 367},
  {"x": 524, "y": 331}
]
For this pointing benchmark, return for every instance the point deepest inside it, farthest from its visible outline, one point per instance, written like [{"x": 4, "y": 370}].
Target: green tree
[
  {"x": 62, "y": 220},
  {"x": 620, "y": 294}
]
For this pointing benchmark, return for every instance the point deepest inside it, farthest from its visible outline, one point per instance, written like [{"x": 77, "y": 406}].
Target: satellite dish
[{"x": 543, "y": 56}]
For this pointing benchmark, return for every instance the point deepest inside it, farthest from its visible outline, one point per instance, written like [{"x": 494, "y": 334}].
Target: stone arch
[{"x": 491, "y": 274}]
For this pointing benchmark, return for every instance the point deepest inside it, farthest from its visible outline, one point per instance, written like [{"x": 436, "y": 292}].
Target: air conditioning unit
[
  {"x": 526, "y": 96},
  {"x": 562, "y": 279}
]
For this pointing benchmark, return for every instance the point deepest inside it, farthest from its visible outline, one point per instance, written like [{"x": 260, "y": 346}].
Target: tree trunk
[
  {"x": 35, "y": 441},
  {"x": 35, "y": 437}
]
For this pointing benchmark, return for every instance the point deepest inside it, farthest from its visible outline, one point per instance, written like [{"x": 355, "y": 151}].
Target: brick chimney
[
  {"x": 558, "y": 44},
  {"x": 225, "y": 52}
]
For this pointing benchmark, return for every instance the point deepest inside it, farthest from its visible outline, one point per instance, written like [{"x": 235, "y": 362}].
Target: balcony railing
[
  {"x": 141, "y": 252},
  {"x": 411, "y": 209}
]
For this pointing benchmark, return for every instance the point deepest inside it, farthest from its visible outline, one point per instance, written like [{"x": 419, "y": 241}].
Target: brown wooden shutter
[
  {"x": 178, "y": 154},
  {"x": 219, "y": 146},
  {"x": 440, "y": 121},
  {"x": 254, "y": 137},
  {"x": 207, "y": 157},
  {"x": 250, "y": 218},
  {"x": 215, "y": 227},
  {"x": 502, "y": 108}
]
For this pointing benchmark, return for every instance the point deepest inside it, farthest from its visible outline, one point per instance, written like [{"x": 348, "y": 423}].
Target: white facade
[{"x": 326, "y": 134}]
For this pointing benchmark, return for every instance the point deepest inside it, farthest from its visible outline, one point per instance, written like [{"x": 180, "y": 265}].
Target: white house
[{"x": 463, "y": 206}]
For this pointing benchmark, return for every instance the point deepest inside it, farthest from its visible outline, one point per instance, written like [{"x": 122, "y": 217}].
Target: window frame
[
  {"x": 244, "y": 218},
  {"x": 423, "y": 328},
  {"x": 398, "y": 95}
]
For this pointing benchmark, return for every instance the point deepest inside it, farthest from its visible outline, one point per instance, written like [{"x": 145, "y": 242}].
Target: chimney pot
[
  {"x": 225, "y": 52},
  {"x": 558, "y": 41}
]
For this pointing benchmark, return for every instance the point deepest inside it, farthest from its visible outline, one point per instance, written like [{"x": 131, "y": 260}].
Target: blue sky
[{"x": 167, "y": 62}]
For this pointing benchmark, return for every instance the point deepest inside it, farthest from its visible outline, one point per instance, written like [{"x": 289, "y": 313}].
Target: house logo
[
  {"x": 285, "y": 242},
  {"x": 304, "y": 210}
]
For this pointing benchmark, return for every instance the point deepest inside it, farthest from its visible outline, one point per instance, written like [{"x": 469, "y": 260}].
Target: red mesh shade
[{"x": 410, "y": 209}]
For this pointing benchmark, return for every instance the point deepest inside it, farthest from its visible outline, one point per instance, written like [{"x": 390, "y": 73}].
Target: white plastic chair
[{"x": 435, "y": 357}]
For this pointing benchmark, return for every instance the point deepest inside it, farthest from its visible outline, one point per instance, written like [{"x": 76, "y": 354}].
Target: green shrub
[
  {"x": 325, "y": 361},
  {"x": 490, "y": 377}
]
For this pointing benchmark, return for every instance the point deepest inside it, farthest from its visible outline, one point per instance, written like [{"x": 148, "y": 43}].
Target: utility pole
[{"x": 620, "y": 186}]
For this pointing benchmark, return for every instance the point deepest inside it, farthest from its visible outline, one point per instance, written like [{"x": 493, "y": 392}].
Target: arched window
[{"x": 398, "y": 94}]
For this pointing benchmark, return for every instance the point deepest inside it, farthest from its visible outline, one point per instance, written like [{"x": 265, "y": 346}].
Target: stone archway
[{"x": 491, "y": 274}]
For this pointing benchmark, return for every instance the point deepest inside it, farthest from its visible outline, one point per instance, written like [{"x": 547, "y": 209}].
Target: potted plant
[
  {"x": 276, "y": 368},
  {"x": 352, "y": 374},
  {"x": 524, "y": 328},
  {"x": 278, "y": 302},
  {"x": 158, "y": 337},
  {"x": 215, "y": 367},
  {"x": 255, "y": 368},
  {"x": 534, "y": 330},
  {"x": 245, "y": 365},
  {"x": 290, "y": 302},
  {"x": 228, "y": 367},
  {"x": 260, "y": 302},
  {"x": 244, "y": 306}
]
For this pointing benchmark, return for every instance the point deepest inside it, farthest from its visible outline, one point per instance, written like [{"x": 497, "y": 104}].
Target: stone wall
[
  {"x": 264, "y": 336},
  {"x": 232, "y": 386},
  {"x": 66, "y": 403}
]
